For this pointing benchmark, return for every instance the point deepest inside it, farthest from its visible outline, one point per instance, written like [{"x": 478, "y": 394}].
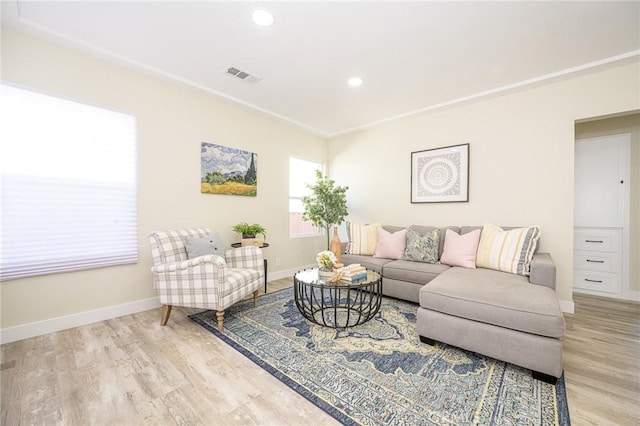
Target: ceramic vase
[{"x": 336, "y": 245}]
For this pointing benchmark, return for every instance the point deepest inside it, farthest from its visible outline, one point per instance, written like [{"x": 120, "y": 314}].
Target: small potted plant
[{"x": 249, "y": 231}]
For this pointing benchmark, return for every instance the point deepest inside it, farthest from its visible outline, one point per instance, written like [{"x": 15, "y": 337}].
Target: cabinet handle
[
  {"x": 594, "y": 241},
  {"x": 595, "y": 261},
  {"x": 593, "y": 281}
]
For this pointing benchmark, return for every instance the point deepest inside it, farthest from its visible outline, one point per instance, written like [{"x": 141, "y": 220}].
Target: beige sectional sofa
[{"x": 509, "y": 317}]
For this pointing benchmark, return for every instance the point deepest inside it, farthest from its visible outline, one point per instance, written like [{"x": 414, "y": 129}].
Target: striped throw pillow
[
  {"x": 362, "y": 238},
  {"x": 507, "y": 251}
]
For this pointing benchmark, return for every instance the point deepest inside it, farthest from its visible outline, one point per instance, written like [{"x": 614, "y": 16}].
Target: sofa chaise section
[{"x": 491, "y": 313}]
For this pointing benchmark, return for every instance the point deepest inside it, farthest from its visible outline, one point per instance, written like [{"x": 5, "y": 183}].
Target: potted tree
[
  {"x": 326, "y": 206},
  {"x": 250, "y": 232}
]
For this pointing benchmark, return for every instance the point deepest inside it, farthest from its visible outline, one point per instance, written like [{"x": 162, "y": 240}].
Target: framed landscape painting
[
  {"x": 440, "y": 175},
  {"x": 230, "y": 171}
]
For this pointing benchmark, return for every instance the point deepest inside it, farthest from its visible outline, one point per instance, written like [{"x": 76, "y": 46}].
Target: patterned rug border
[{"x": 560, "y": 388}]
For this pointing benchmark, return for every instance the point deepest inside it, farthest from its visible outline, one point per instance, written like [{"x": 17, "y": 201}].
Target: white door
[{"x": 601, "y": 167}]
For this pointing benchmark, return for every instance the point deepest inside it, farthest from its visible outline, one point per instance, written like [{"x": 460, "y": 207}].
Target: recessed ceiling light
[
  {"x": 262, "y": 17},
  {"x": 355, "y": 82}
]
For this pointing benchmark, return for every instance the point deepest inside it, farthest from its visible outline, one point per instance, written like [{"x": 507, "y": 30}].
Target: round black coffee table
[{"x": 339, "y": 305}]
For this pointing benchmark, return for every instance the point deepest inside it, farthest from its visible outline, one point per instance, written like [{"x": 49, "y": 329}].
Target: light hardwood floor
[
  {"x": 132, "y": 371},
  {"x": 602, "y": 361}
]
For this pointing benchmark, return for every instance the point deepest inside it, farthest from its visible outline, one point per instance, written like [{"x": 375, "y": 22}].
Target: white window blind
[
  {"x": 68, "y": 185},
  {"x": 301, "y": 173}
]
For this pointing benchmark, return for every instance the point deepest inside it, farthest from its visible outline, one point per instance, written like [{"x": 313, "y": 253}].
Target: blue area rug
[{"x": 379, "y": 373}]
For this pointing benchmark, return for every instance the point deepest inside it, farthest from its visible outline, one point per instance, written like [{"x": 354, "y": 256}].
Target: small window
[
  {"x": 68, "y": 185},
  {"x": 301, "y": 173}
]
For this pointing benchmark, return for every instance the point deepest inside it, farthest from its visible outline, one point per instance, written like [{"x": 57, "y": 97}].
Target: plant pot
[{"x": 252, "y": 242}]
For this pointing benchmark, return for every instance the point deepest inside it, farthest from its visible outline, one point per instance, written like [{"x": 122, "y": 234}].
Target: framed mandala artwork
[{"x": 440, "y": 175}]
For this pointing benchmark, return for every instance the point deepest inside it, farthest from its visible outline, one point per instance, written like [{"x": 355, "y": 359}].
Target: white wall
[
  {"x": 172, "y": 120},
  {"x": 521, "y": 159}
]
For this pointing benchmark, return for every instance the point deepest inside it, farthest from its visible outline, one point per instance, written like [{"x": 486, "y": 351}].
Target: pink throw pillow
[
  {"x": 391, "y": 246},
  {"x": 460, "y": 250}
]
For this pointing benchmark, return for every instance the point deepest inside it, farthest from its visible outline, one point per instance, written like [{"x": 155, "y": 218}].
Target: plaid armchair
[{"x": 208, "y": 282}]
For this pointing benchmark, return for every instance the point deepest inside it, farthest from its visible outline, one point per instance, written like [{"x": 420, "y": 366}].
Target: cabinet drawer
[
  {"x": 606, "y": 240},
  {"x": 596, "y": 261},
  {"x": 596, "y": 281}
]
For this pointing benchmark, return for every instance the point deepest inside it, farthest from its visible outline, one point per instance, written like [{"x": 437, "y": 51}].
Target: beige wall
[
  {"x": 172, "y": 120},
  {"x": 521, "y": 159},
  {"x": 612, "y": 126}
]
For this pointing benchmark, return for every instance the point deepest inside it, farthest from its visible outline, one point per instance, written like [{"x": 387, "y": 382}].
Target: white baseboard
[
  {"x": 19, "y": 332},
  {"x": 567, "y": 306}
]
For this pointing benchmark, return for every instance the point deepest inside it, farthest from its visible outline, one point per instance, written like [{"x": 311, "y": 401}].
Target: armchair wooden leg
[
  {"x": 220, "y": 316},
  {"x": 255, "y": 298},
  {"x": 166, "y": 311}
]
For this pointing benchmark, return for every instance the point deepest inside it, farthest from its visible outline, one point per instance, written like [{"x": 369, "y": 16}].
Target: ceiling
[{"x": 412, "y": 56}]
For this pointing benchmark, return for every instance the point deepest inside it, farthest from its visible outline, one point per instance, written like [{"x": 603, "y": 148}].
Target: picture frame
[
  {"x": 440, "y": 175},
  {"x": 229, "y": 171}
]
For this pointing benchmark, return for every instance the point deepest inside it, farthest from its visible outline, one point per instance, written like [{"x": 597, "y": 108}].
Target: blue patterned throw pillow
[{"x": 422, "y": 248}]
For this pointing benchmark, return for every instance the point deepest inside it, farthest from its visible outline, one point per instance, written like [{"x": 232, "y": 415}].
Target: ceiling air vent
[{"x": 242, "y": 75}]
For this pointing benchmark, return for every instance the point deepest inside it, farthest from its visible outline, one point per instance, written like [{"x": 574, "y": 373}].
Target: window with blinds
[
  {"x": 301, "y": 173},
  {"x": 68, "y": 181}
]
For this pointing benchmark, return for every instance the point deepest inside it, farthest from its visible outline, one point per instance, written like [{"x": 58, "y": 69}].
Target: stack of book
[{"x": 353, "y": 273}]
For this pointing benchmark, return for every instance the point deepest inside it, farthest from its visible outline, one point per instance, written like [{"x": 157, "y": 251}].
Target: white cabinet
[
  {"x": 597, "y": 260},
  {"x": 601, "y": 215}
]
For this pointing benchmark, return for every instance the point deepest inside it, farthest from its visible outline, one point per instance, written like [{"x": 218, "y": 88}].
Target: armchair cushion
[{"x": 200, "y": 246}]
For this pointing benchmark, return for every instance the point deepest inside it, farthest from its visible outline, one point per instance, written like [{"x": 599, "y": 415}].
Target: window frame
[
  {"x": 80, "y": 212},
  {"x": 321, "y": 166}
]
